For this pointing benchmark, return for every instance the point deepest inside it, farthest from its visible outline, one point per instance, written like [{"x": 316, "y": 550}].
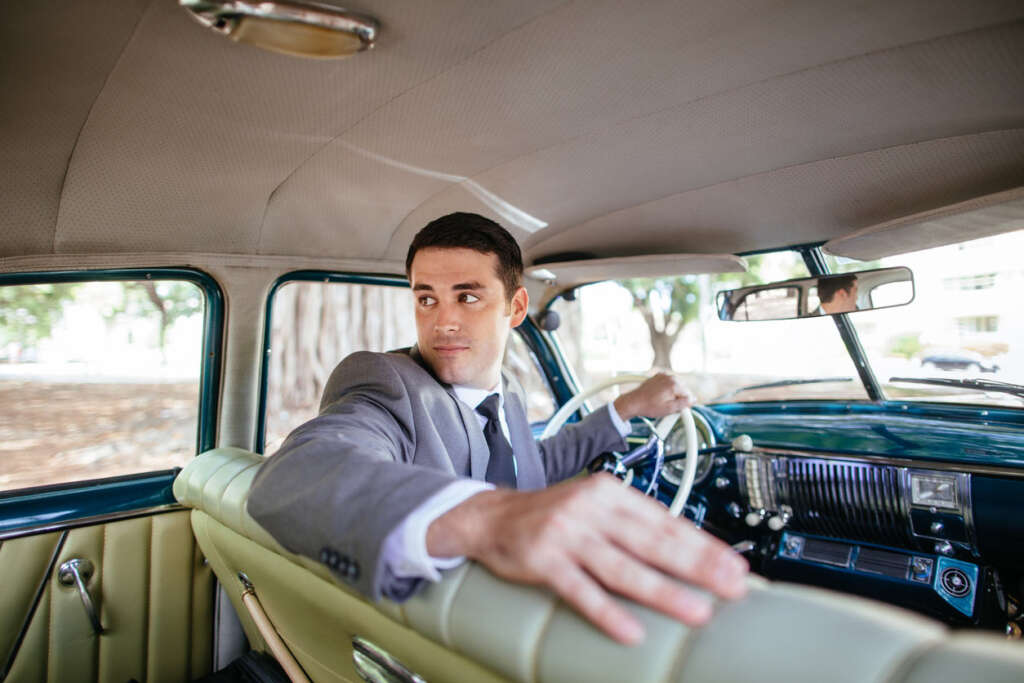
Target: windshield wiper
[
  {"x": 782, "y": 383},
  {"x": 983, "y": 384}
]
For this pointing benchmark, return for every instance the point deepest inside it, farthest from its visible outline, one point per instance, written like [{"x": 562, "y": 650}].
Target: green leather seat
[{"x": 475, "y": 627}]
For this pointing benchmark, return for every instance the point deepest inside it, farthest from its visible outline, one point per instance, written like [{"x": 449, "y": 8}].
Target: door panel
[{"x": 150, "y": 584}]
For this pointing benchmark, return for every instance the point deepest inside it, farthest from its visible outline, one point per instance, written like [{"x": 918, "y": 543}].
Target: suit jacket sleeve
[
  {"x": 566, "y": 453},
  {"x": 342, "y": 481}
]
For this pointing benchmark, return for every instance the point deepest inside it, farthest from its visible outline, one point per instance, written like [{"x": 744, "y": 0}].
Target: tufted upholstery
[
  {"x": 154, "y": 592},
  {"x": 473, "y": 626}
]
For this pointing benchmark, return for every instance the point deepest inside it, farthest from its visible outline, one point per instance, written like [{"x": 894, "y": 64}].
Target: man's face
[
  {"x": 463, "y": 317},
  {"x": 845, "y": 300}
]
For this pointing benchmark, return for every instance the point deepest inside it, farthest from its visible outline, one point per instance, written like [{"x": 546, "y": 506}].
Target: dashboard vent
[
  {"x": 883, "y": 562},
  {"x": 844, "y": 499},
  {"x": 826, "y": 552}
]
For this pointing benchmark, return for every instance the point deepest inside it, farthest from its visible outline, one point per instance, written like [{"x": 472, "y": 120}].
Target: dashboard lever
[{"x": 744, "y": 547}]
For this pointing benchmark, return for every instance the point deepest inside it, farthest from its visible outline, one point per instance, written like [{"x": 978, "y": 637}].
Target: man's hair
[
  {"x": 472, "y": 231},
  {"x": 828, "y": 286}
]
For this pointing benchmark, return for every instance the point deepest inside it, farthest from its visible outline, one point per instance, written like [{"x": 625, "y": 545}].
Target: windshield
[
  {"x": 629, "y": 326},
  {"x": 965, "y": 323},
  {"x": 960, "y": 338}
]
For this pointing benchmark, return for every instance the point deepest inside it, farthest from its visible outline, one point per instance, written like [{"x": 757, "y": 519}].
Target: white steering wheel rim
[{"x": 662, "y": 430}]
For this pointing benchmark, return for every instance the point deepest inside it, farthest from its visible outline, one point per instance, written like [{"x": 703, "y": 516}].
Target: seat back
[{"x": 474, "y": 626}]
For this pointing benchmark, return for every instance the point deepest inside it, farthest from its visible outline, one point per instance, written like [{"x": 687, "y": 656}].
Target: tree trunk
[
  {"x": 662, "y": 344},
  {"x": 150, "y": 288}
]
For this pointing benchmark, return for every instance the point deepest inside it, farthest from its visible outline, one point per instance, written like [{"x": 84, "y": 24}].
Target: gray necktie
[{"x": 501, "y": 468}]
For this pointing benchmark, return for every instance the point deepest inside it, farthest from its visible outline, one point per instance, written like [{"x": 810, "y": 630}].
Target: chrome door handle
[
  {"x": 77, "y": 572},
  {"x": 375, "y": 665}
]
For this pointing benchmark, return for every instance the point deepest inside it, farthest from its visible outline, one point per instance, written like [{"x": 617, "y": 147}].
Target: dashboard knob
[
  {"x": 722, "y": 482},
  {"x": 944, "y": 548},
  {"x": 776, "y": 523},
  {"x": 734, "y": 510},
  {"x": 937, "y": 528},
  {"x": 743, "y": 443},
  {"x": 754, "y": 518}
]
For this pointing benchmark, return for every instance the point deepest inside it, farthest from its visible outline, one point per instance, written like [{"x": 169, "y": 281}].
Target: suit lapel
[
  {"x": 529, "y": 470},
  {"x": 479, "y": 454}
]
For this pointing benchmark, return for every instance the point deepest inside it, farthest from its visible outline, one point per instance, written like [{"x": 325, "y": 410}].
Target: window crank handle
[{"x": 77, "y": 572}]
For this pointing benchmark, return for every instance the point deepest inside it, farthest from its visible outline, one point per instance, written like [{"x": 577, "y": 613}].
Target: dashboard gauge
[{"x": 675, "y": 444}]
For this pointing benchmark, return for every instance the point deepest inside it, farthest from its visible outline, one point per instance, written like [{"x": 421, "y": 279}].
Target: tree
[
  {"x": 29, "y": 312},
  {"x": 667, "y": 305},
  {"x": 167, "y": 300}
]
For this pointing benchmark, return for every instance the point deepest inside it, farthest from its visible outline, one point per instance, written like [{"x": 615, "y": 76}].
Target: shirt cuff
[
  {"x": 620, "y": 425},
  {"x": 405, "y": 548}
]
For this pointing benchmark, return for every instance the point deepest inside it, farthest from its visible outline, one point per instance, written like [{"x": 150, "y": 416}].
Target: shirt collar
[{"x": 473, "y": 397}]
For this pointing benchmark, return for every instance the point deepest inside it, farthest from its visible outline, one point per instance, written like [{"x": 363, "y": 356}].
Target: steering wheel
[{"x": 661, "y": 432}]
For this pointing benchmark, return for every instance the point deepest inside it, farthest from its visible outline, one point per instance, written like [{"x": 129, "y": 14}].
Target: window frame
[
  {"x": 325, "y": 276},
  {"x": 551, "y": 367},
  {"x": 32, "y": 508}
]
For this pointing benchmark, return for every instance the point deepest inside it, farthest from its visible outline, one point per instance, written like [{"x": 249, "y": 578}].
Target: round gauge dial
[{"x": 675, "y": 444}]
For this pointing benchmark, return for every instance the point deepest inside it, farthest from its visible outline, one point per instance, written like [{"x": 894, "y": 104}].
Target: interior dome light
[{"x": 302, "y": 29}]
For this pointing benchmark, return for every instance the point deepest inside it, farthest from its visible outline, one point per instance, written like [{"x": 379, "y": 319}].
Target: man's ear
[{"x": 518, "y": 307}]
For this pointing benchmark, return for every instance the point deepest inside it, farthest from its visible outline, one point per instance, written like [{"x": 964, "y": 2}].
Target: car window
[
  {"x": 635, "y": 326},
  {"x": 314, "y": 325},
  {"x": 522, "y": 364},
  {"x": 98, "y": 379},
  {"x": 965, "y": 323}
]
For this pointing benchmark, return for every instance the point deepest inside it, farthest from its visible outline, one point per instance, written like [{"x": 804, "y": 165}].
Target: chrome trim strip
[
  {"x": 90, "y": 521},
  {"x": 374, "y": 664},
  {"x": 968, "y": 509},
  {"x": 942, "y": 466},
  {"x": 43, "y": 581}
]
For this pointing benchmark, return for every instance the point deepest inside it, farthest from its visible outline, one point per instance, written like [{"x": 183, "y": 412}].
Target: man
[
  {"x": 837, "y": 294},
  {"x": 414, "y": 462}
]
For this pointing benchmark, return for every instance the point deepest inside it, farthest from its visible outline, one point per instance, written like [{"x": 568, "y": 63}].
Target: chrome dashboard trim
[
  {"x": 89, "y": 521},
  {"x": 941, "y": 466}
]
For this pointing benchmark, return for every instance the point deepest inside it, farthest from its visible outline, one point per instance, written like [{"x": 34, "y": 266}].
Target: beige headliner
[{"x": 624, "y": 128}]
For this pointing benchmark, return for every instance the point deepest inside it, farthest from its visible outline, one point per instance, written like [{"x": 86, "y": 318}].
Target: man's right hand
[{"x": 587, "y": 538}]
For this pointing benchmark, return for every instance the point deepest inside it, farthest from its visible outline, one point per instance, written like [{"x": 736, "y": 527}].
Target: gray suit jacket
[{"x": 389, "y": 436}]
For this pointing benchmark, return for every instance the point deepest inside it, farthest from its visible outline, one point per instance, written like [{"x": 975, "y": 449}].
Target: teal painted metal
[
  {"x": 539, "y": 344},
  {"x": 381, "y": 279},
  {"x": 67, "y": 502},
  {"x": 61, "y": 505},
  {"x": 963, "y": 434}
]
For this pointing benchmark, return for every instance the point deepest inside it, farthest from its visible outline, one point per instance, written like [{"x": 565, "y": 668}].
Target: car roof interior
[{"x": 616, "y": 129}]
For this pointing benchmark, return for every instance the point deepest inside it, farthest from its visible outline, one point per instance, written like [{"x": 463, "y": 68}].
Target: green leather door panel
[{"x": 153, "y": 591}]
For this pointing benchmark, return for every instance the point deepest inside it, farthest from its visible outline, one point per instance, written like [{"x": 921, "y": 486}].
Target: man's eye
[
  {"x": 469, "y": 298},
  {"x": 427, "y": 301}
]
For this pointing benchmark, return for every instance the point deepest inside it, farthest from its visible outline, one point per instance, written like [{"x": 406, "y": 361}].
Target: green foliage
[
  {"x": 29, "y": 312},
  {"x": 165, "y": 300},
  {"x": 905, "y": 345}
]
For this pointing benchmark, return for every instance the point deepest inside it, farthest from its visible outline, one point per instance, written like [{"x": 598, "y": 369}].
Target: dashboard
[{"x": 922, "y": 530}]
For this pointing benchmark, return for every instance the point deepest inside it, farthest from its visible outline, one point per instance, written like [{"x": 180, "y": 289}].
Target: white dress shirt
[{"x": 405, "y": 548}]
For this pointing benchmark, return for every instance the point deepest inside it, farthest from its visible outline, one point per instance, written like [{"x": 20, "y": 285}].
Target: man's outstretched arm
[{"x": 588, "y": 538}]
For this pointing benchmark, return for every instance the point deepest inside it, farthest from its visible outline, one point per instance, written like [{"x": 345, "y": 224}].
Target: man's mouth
[{"x": 450, "y": 349}]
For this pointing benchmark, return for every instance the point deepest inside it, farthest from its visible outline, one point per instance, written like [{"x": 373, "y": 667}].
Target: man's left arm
[{"x": 565, "y": 454}]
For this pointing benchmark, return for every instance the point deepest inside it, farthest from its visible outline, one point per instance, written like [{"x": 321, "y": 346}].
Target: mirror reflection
[{"x": 817, "y": 296}]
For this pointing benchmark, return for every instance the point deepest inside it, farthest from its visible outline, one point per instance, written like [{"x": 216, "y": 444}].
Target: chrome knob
[
  {"x": 722, "y": 483},
  {"x": 944, "y": 548},
  {"x": 937, "y": 528},
  {"x": 734, "y": 510},
  {"x": 743, "y": 443}
]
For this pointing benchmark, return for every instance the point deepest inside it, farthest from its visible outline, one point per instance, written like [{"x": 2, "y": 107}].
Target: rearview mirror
[{"x": 816, "y": 296}]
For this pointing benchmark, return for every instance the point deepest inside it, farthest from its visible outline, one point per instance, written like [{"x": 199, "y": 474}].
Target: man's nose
[{"x": 447, "y": 320}]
